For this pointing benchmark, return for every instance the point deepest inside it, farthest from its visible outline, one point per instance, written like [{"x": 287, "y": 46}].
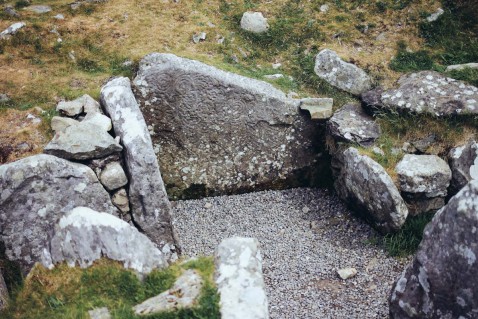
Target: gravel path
[{"x": 305, "y": 236}]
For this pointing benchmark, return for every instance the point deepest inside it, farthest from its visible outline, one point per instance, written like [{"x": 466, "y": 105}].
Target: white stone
[
  {"x": 346, "y": 273},
  {"x": 59, "y": 123},
  {"x": 239, "y": 279},
  {"x": 100, "y": 120},
  {"x": 254, "y": 22},
  {"x": 11, "y": 30},
  {"x": 324, "y": 8},
  {"x": 436, "y": 15},
  {"x": 99, "y": 313},
  {"x": 113, "y": 176},
  {"x": 319, "y": 108},
  {"x": 274, "y": 76},
  {"x": 460, "y": 67}
]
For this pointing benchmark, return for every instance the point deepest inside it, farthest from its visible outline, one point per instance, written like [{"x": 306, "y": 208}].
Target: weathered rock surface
[
  {"x": 239, "y": 279},
  {"x": 183, "y": 294},
  {"x": 345, "y": 76},
  {"x": 113, "y": 176},
  {"x": 4, "y": 297},
  {"x": 216, "y": 132},
  {"x": 82, "y": 104},
  {"x": 35, "y": 192},
  {"x": 367, "y": 188},
  {"x": 441, "y": 280},
  {"x": 11, "y": 30},
  {"x": 254, "y": 22},
  {"x": 59, "y": 123},
  {"x": 352, "y": 124},
  {"x": 84, "y": 235},
  {"x": 319, "y": 108},
  {"x": 98, "y": 119},
  {"x": 99, "y": 313},
  {"x": 81, "y": 142},
  {"x": 463, "y": 162},
  {"x": 149, "y": 203},
  {"x": 428, "y": 92},
  {"x": 461, "y": 67},
  {"x": 121, "y": 201}
]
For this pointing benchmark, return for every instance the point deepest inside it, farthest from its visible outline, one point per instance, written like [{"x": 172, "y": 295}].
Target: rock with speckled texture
[
  {"x": 254, "y": 22},
  {"x": 440, "y": 282},
  {"x": 239, "y": 279},
  {"x": 463, "y": 162},
  {"x": 351, "y": 124},
  {"x": 216, "y": 132},
  {"x": 366, "y": 187},
  {"x": 35, "y": 193},
  {"x": 83, "y": 236},
  {"x": 4, "y": 297},
  {"x": 345, "y": 76},
  {"x": 149, "y": 204},
  {"x": 427, "y": 92}
]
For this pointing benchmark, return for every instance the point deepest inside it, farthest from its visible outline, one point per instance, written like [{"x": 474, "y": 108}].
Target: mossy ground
[{"x": 66, "y": 292}]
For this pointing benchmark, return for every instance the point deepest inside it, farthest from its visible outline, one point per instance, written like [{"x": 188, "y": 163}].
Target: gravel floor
[{"x": 305, "y": 236}]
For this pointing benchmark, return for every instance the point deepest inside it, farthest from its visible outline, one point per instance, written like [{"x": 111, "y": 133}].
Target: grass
[{"x": 66, "y": 292}]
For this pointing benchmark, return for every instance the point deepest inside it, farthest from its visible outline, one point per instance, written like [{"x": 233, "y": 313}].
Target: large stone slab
[
  {"x": 82, "y": 141},
  {"x": 84, "y": 236},
  {"x": 366, "y": 187},
  {"x": 150, "y": 207},
  {"x": 239, "y": 279},
  {"x": 216, "y": 132},
  {"x": 463, "y": 162},
  {"x": 351, "y": 124},
  {"x": 427, "y": 92},
  {"x": 345, "y": 76},
  {"x": 441, "y": 280},
  {"x": 35, "y": 192}
]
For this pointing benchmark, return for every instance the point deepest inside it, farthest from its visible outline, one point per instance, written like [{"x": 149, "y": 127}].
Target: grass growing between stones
[{"x": 66, "y": 292}]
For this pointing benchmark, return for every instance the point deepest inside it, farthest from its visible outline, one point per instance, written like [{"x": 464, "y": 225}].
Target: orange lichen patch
[{"x": 20, "y": 135}]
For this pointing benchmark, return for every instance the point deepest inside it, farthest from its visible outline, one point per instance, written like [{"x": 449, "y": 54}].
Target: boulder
[
  {"x": 83, "y": 236},
  {"x": 81, "y": 142},
  {"x": 113, "y": 176},
  {"x": 351, "y": 124},
  {"x": 216, "y": 132},
  {"x": 150, "y": 207},
  {"x": 366, "y": 187},
  {"x": 463, "y": 162},
  {"x": 11, "y": 30},
  {"x": 424, "y": 180},
  {"x": 440, "y": 282},
  {"x": 183, "y": 294},
  {"x": 345, "y": 76},
  {"x": 318, "y": 108},
  {"x": 254, "y": 22},
  {"x": 239, "y": 279},
  {"x": 35, "y": 193},
  {"x": 429, "y": 92}
]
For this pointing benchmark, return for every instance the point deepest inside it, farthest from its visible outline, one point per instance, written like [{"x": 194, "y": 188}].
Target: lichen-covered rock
[
  {"x": 345, "y": 76},
  {"x": 83, "y": 236},
  {"x": 81, "y": 142},
  {"x": 367, "y": 188},
  {"x": 35, "y": 193},
  {"x": 352, "y": 124},
  {"x": 463, "y": 162},
  {"x": 150, "y": 207},
  {"x": 254, "y": 22},
  {"x": 183, "y": 294},
  {"x": 441, "y": 280},
  {"x": 216, "y": 132},
  {"x": 429, "y": 92},
  {"x": 239, "y": 279}
]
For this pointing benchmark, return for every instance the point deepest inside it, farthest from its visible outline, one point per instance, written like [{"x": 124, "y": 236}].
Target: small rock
[
  {"x": 324, "y": 8},
  {"x": 254, "y": 22},
  {"x": 183, "y": 294},
  {"x": 408, "y": 148},
  {"x": 347, "y": 273},
  {"x": 121, "y": 201},
  {"x": 100, "y": 313},
  {"x": 273, "y": 76},
  {"x": 38, "y": 9},
  {"x": 59, "y": 123},
  {"x": 59, "y": 17},
  {"x": 207, "y": 205},
  {"x": 9, "y": 10},
  {"x": 436, "y": 15},
  {"x": 4, "y": 98},
  {"x": 464, "y": 165},
  {"x": 113, "y": 176},
  {"x": 377, "y": 150},
  {"x": 11, "y": 30},
  {"x": 381, "y": 37},
  {"x": 82, "y": 104},
  {"x": 319, "y": 108},
  {"x": 98, "y": 119},
  {"x": 276, "y": 66},
  {"x": 75, "y": 5},
  {"x": 422, "y": 145},
  {"x": 199, "y": 37},
  {"x": 461, "y": 67}
]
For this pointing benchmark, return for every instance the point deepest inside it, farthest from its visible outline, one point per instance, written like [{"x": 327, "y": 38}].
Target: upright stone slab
[
  {"x": 239, "y": 279},
  {"x": 367, "y": 188},
  {"x": 150, "y": 207},
  {"x": 35, "y": 192},
  {"x": 464, "y": 165},
  {"x": 216, "y": 132},
  {"x": 441, "y": 280}
]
